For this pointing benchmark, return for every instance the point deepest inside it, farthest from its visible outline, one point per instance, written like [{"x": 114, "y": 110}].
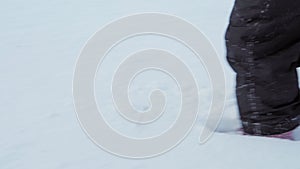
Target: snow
[{"x": 40, "y": 42}]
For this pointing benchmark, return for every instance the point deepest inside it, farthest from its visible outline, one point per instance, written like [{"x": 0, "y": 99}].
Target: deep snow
[{"x": 40, "y": 41}]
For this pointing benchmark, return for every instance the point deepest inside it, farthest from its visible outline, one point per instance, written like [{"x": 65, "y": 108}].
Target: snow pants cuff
[
  {"x": 263, "y": 48},
  {"x": 288, "y": 119}
]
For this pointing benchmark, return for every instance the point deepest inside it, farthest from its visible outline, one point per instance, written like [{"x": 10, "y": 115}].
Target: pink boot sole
[{"x": 287, "y": 135}]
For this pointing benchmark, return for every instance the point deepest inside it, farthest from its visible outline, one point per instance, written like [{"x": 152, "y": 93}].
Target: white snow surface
[{"x": 39, "y": 43}]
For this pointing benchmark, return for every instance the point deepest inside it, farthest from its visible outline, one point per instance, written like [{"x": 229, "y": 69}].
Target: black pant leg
[{"x": 263, "y": 47}]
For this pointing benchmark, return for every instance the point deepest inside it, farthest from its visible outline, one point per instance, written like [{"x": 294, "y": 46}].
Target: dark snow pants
[{"x": 263, "y": 48}]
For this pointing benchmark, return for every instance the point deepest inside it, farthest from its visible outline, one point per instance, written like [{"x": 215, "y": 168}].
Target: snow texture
[{"x": 40, "y": 41}]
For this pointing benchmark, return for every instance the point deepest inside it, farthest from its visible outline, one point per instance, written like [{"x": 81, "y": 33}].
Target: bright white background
[{"x": 39, "y": 43}]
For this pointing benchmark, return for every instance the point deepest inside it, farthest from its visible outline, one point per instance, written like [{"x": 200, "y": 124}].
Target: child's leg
[{"x": 263, "y": 47}]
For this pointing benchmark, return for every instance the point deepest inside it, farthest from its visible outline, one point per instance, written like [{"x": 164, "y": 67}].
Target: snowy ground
[{"x": 39, "y": 43}]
